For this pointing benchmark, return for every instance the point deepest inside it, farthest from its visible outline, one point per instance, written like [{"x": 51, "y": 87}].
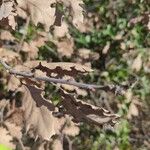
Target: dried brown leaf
[
  {"x": 61, "y": 31},
  {"x": 56, "y": 70},
  {"x": 106, "y": 48},
  {"x": 30, "y": 49},
  {"x": 6, "y": 9},
  {"x": 84, "y": 112},
  {"x": 57, "y": 144},
  {"x": 14, "y": 130},
  {"x": 36, "y": 94},
  {"x": 40, "y": 118},
  {"x": 40, "y": 11},
  {"x": 6, "y": 35},
  {"x": 13, "y": 81},
  {"x": 11, "y": 21},
  {"x": 9, "y": 56},
  {"x": 20, "y": 12},
  {"x": 134, "y": 103},
  {"x": 87, "y": 54},
  {"x": 148, "y": 25},
  {"x": 86, "y": 26},
  {"x": 3, "y": 103},
  {"x": 17, "y": 117},
  {"x": 63, "y": 69},
  {"x": 76, "y": 11},
  {"x": 71, "y": 128},
  {"x": 133, "y": 110},
  {"x": 65, "y": 47},
  {"x": 137, "y": 63}
]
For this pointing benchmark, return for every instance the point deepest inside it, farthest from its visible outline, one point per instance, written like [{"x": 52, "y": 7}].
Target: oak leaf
[
  {"x": 7, "y": 11},
  {"x": 84, "y": 112},
  {"x": 57, "y": 144},
  {"x": 71, "y": 129},
  {"x": 61, "y": 31},
  {"x": 9, "y": 56},
  {"x": 148, "y": 25},
  {"x": 62, "y": 69},
  {"x": 14, "y": 130},
  {"x": 6, "y": 35},
  {"x": 40, "y": 11},
  {"x": 76, "y": 11},
  {"x": 39, "y": 118},
  {"x": 65, "y": 47},
  {"x": 137, "y": 63}
]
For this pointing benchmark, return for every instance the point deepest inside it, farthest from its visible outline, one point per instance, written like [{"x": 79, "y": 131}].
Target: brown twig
[{"x": 113, "y": 88}]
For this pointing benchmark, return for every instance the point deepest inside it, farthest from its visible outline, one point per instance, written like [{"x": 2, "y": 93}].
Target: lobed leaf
[{"x": 84, "y": 112}]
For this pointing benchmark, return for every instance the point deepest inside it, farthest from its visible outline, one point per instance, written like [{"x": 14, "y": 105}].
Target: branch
[{"x": 113, "y": 88}]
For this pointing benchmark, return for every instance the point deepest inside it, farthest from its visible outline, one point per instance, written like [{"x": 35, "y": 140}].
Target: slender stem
[{"x": 113, "y": 88}]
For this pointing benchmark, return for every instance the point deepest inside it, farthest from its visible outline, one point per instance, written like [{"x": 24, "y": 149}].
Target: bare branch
[{"x": 113, "y": 88}]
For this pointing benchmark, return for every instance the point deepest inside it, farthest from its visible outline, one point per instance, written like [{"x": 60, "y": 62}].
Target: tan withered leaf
[
  {"x": 40, "y": 11},
  {"x": 53, "y": 65},
  {"x": 56, "y": 70},
  {"x": 63, "y": 69},
  {"x": 40, "y": 118},
  {"x": 133, "y": 110},
  {"x": 61, "y": 31},
  {"x": 36, "y": 94},
  {"x": 31, "y": 48},
  {"x": 9, "y": 56},
  {"x": 6, "y": 35},
  {"x": 65, "y": 47},
  {"x": 71, "y": 128},
  {"x": 3, "y": 103},
  {"x": 11, "y": 21},
  {"x": 14, "y": 130},
  {"x": 148, "y": 25},
  {"x": 84, "y": 112},
  {"x": 76, "y": 11},
  {"x": 57, "y": 144},
  {"x": 16, "y": 117},
  {"x": 137, "y": 63},
  {"x": 86, "y": 56},
  {"x": 7, "y": 11},
  {"x": 59, "y": 70},
  {"x": 13, "y": 81},
  {"x": 106, "y": 48},
  {"x": 134, "y": 104}
]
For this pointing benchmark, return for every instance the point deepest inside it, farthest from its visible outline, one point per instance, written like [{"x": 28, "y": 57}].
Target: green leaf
[{"x": 3, "y": 147}]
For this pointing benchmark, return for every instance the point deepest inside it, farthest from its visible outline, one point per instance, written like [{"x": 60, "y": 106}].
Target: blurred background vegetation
[{"x": 127, "y": 59}]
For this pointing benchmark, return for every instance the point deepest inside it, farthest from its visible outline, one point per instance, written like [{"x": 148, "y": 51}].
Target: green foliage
[{"x": 3, "y": 147}]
